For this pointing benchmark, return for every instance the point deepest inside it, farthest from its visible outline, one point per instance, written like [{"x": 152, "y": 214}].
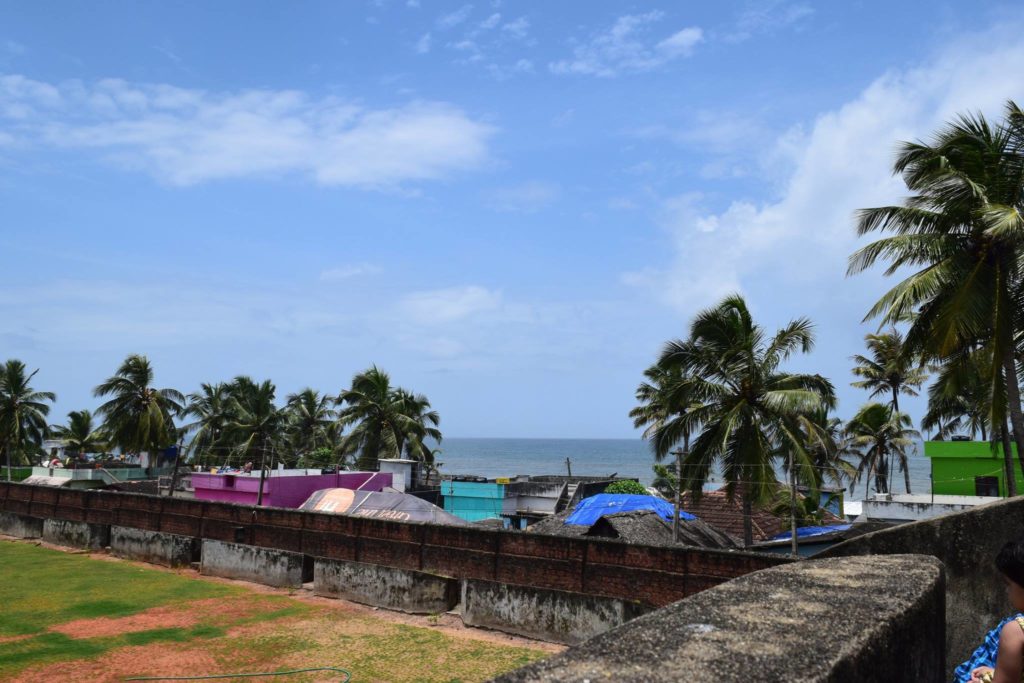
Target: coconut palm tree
[
  {"x": 665, "y": 481},
  {"x": 138, "y": 417},
  {"x": 962, "y": 231},
  {"x": 310, "y": 416},
  {"x": 384, "y": 419},
  {"x": 425, "y": 421},
  {"x": 747, "y": 406},
  {"x": 890, "y": 369},
  {"x": 81, "y": 435},
  {"x": 960, "y": 399},
  {"x": 880, "y": 434},
  {"x": 666, "y": 398},
  {"x": 211, "y": 408},
  {"x": 257, "y": 426},
  {"x": 23, "y": 412},
  {"x": 829, "y": 448}
]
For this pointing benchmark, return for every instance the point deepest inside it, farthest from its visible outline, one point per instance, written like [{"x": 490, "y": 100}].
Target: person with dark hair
[{"x": 1000, "y": 659}]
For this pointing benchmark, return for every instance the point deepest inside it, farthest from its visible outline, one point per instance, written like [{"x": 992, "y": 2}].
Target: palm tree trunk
[
  {"x": 1011, "y": 475},
  {"x": 896, "y": 414},
  {"x": 881, "y": 484},
  {"x": 679, "y": 485},
  {"x": 174, "y": 474},
  {"x": 7, "y": 457},
  {"x": 906, "y": 476},
  {"x": 263, "y": 473},
  {"x": 1013, "y": 399},
  {"x": 748, "y": 525}
]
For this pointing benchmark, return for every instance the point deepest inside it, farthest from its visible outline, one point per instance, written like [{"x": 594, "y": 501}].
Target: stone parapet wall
[
  {"x": 864, "y": 620},
  {"x": 966, "y": 543}
]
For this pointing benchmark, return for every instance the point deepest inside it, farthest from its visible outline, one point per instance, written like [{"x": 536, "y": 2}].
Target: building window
[{"x": 986, "y": 486}]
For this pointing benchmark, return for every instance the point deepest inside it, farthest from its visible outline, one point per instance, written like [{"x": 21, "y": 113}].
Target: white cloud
[
  {"x": 523, "y": 66},
  {"x": 626, "y": 47},
  {"x": 453, "y": 19},
  {"x": 767, "y": 16},
  {"x": 842, "y": 162},
  {"x": 423, "y": 44},
  {"x": 348, "y": 271},
  {"x": 167, "y": 51},
  {"x": 449, "y": 305},
  {"x": 526, "y": 198},
  {"x": 500, "y": 73},
  {"x": 681, "y": 43},
  {"x": 711, "y": 130},
  {"x": 517, "y": 29},
  {"x": 470, "y": 48},
  {"x": 184, "y": 136},
  {"x": 735, "y": 140},
  {"x": 491, "y": 21}
]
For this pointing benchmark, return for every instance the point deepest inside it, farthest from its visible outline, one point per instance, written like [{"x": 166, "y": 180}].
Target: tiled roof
[
  {"x": 717, "y": 510},
  {"x": 646, "y": 527}
]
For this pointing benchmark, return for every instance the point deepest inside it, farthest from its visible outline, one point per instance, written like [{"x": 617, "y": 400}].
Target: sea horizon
[{"x": 512, "y": 456}]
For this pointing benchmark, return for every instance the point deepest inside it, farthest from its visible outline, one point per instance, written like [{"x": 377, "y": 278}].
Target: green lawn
[
  {"x": 43, "y": 587},
  {"x": 66, "y": 616}
]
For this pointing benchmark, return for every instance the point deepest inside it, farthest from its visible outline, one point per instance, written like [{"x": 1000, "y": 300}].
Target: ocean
[{"x": 623, "y": 457}]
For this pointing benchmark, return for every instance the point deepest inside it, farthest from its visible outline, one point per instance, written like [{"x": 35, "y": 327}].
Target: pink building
[{"x": 281, "y": 488}]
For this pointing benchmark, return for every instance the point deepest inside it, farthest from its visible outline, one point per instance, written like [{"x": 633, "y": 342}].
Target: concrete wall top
[
  {"x": 856, "y": 619},
  {"x": 966, "y": 543}
]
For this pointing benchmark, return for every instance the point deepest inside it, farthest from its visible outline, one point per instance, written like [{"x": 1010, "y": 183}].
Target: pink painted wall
[{"x": 281, "y": 491}]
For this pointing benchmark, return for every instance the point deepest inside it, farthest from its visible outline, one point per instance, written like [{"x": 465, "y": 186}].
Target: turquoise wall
[{"x": 473, "y": 500}]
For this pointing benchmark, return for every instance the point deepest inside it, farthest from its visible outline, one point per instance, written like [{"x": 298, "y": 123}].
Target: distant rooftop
[{"x": 929, "y": 499}]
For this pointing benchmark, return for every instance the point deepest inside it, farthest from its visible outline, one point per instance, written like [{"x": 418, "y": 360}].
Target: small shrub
[{"x": 627, "y": 486}]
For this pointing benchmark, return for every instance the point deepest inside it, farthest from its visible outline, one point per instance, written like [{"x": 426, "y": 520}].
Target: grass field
[{"x": 69, "y": 616}]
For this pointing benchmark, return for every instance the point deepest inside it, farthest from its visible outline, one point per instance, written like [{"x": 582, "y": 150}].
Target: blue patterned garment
[{"x": 985, "y": 655}]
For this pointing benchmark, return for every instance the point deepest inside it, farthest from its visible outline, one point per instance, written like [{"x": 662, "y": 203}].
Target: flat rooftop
[{"x": 929, "y": 499}]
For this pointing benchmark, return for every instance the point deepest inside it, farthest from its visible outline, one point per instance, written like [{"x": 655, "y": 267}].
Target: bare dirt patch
[
  {"x": 116, "y": 665},
  {"x": 166, "y": 616}
]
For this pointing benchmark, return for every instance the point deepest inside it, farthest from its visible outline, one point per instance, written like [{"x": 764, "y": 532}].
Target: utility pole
[{"x": 568, "y": 466}]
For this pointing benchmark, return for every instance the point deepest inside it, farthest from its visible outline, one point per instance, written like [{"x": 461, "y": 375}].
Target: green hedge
[{"x": 17, "y": 473}]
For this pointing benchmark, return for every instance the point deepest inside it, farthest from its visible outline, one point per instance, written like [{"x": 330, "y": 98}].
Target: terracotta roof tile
[{"x": 717, "y": 510}]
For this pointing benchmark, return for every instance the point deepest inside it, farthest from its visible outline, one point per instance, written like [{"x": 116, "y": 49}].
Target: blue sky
[{"x": 508, "y": 206}]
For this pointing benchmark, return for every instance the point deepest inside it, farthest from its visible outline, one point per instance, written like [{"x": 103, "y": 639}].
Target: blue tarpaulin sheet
[
  {"x": 811, "y": 531},
  {"x": 589, "y": 510}
]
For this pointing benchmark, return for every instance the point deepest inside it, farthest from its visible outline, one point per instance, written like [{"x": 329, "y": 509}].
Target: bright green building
[{"x": 969, "y": 468}]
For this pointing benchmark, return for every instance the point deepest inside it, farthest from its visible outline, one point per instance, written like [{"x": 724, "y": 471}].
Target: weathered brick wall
[{"x": 653, "y": 575}]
